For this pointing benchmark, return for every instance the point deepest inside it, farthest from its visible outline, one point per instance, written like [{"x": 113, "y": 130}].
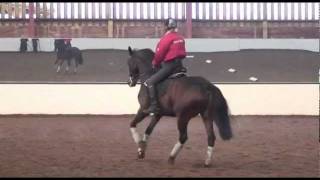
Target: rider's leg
[{"x": 164, "y": 72}]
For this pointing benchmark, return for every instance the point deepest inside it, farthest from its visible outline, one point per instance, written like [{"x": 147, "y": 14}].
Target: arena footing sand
[{"x": 102, "y": 146}]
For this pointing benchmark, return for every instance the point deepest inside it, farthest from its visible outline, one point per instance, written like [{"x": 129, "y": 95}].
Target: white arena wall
[
  {"x": 119, "y": 99},
  {"x": 192, "y": 45}
]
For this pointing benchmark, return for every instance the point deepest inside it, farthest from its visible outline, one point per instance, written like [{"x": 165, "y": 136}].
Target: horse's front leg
[
  {"x": 138, "y": 118},
  {"x": 143, "y": 143},
  {"x": 58, "y": 63}
]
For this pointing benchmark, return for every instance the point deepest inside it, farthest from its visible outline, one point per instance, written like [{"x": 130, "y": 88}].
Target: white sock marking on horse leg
[
  {"x": 135, "y": 135},
  {"x": 209, "y": 155},
  {"x": 145, "y": 138},
  {"x": 58, "y": 69},
  {"x": 176, "y": 149}
]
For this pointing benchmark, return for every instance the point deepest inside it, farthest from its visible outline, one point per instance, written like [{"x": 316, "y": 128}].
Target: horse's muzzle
[{"x": 132, "y": 82}]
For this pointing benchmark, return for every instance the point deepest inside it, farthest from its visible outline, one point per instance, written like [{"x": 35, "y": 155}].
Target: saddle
[
  {"x": 181, "y": 72},
  {"x": 163, "y": 85}
]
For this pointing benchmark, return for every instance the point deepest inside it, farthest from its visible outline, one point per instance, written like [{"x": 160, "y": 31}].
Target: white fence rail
[{"x": 243, "y": 99}]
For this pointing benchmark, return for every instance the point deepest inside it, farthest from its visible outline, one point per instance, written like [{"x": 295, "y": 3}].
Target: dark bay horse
[
  {"x": 67, "y": 53},
  {"x": 184, "y": 98}
]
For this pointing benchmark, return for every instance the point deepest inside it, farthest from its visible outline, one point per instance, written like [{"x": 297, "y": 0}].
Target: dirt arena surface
[
  {"x": 102, "y": 146},
  {"x": 269, "y": 66}
]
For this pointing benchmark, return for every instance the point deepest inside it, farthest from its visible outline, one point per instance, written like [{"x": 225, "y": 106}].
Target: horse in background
[{"x": 65, "y": 52}]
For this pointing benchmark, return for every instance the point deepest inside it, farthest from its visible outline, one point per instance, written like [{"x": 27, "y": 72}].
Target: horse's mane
[{"x": 146, "y": 55}]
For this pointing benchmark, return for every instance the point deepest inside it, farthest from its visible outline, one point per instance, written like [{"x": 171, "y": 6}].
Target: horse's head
[
  {"x": 133, "y": 68},
  {"x": 140, "y": 66},
  {"x": 59, "y": 45}
]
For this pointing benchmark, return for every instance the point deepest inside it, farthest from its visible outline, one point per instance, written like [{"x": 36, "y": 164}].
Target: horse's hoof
[
  {"x": 207, "y": 163},
  {"x": 141, "y": 154},
  {"x": 142, "y": 145},
  {"x": 171, "y": 160}
]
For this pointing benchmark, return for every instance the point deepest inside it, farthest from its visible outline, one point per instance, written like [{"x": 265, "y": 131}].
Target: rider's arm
[{"x": 161, "y": 51}]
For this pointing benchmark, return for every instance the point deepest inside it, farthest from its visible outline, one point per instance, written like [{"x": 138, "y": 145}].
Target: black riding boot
[{"x": 154, "y": 105}]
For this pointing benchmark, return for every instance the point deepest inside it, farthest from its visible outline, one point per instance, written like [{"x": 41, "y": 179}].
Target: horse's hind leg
[
  {"x": 75, "y": 66},
  {"x": 208, "y": 123},
  {"x": 183, "y": 136},
  {"x": 58, "y": 68},
  {"x": 143, "y": 143},
  {"x": 59, "y": 63},
  {"x": 68, "y": 65}
]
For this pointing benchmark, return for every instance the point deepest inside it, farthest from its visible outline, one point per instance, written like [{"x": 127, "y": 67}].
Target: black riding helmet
[{"x": 171, "y": 23}]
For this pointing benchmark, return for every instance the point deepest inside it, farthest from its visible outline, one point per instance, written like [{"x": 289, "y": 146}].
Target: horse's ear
[{"x": 130, "y": 51}]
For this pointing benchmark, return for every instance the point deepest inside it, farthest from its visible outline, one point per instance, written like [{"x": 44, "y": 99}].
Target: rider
[{"x": 169, "y": 54}]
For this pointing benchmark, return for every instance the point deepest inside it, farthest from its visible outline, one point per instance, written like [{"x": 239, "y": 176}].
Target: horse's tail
[
  {"x": 218, "y": 110},
  {"x": 79, "y": 57}
]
